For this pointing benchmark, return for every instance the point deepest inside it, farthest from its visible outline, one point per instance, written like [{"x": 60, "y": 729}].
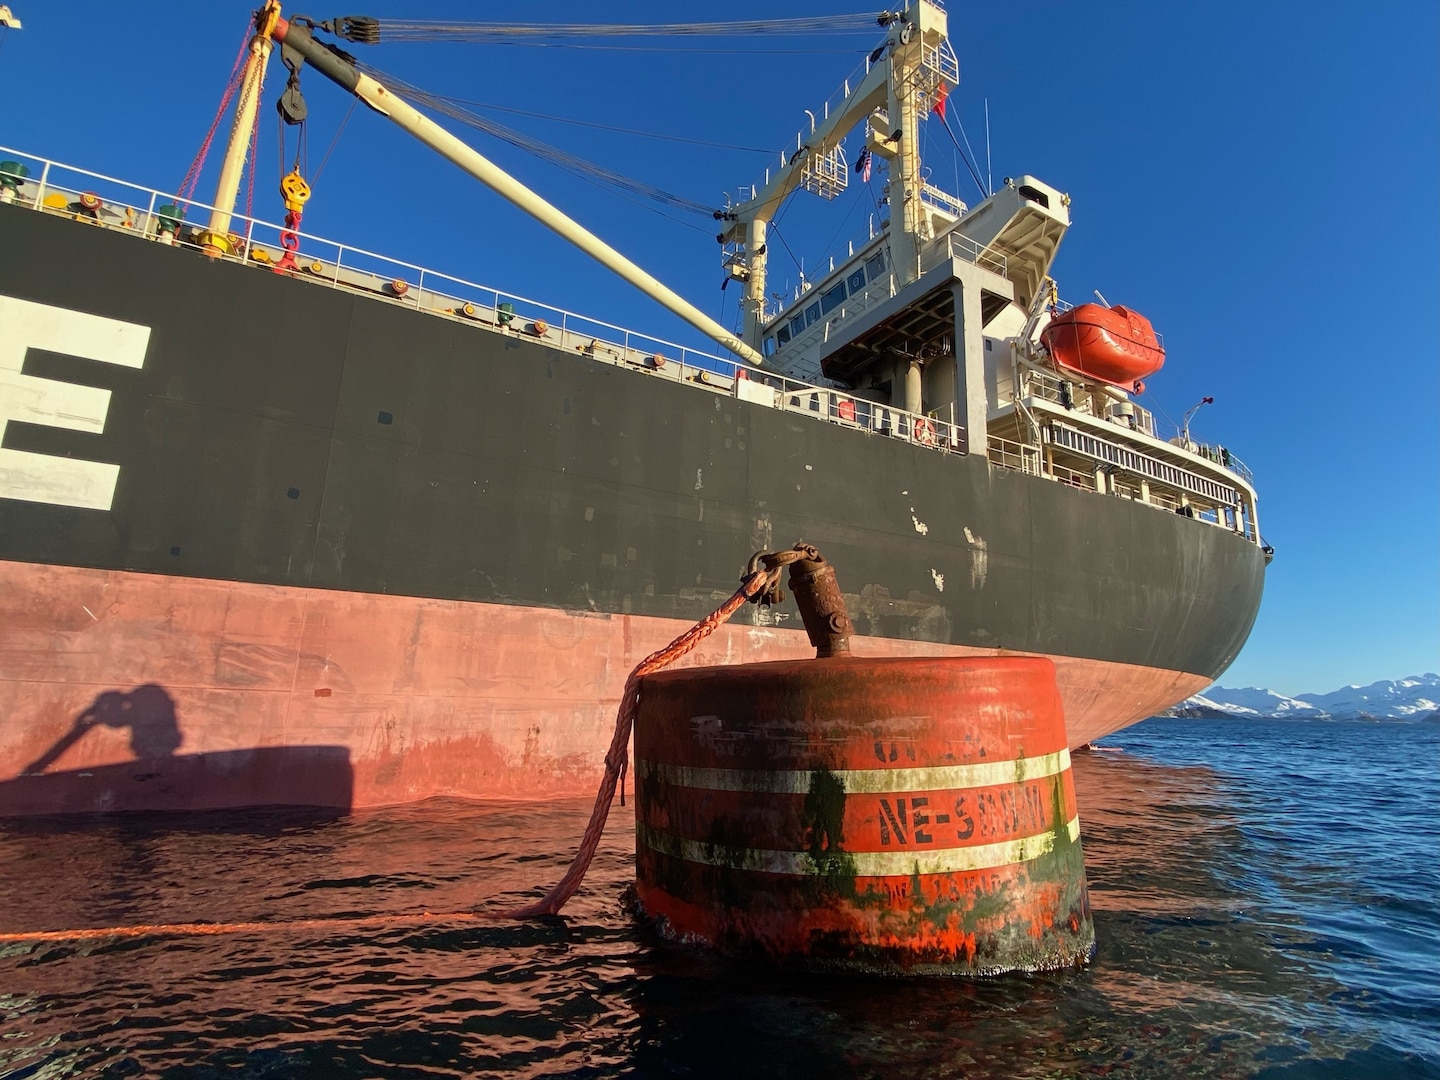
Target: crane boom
[{"x": 402, "y": 113}]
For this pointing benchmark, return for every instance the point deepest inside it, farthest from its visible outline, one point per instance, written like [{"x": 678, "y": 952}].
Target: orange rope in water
[
  {"x": 616, "y": 762},
  {"x": 335, "y": 922}
]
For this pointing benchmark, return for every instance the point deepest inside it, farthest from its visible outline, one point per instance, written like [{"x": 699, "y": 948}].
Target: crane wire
[
  {"x": 602, "y": 127},
  {"x": 431, "y": 30},
  {"x": 585, "y": 169},
  {"x": 974, "y": 175},
  {"x": 710, "y": 51}
]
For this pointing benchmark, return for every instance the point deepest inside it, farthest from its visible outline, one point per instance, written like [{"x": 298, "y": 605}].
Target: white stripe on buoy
[
  {"x": 861, "y": 781},
  {"x": 862, "y": 863}
]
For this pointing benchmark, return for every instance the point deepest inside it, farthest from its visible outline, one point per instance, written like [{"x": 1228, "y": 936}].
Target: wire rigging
[
  {"x": 586, "y": 170},
  {"x": 336, "y": 140},
  {"x": 712, "y": 50},
  {"x": 974, "y": 175},
  {"x": 431, "y": 30},
  {"x": 603, "y": 127}
]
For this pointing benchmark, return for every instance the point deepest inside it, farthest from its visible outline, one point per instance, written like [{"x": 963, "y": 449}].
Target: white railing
[
  {"x": 835, "y": 101},
  {"x": 848, "y": 411},
  {"x": 1222, "y": 456},
  {"x": 136, "y": 209},
  {"x": 1046, "y": 387},
  {"x": 1127, "y": 474},
  {"x": 1009, "y": 454},
  {"x": 961, "y": 247},
  {"x": 941, "y": 199}
]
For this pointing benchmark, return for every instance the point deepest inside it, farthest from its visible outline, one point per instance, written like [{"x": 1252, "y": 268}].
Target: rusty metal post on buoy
[
  {"x": 821, "y": 604},
  {"x": 875, "y": 815}
]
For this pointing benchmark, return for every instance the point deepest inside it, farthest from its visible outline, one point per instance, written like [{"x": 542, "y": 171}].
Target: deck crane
[{"x": 296, "y": 39}]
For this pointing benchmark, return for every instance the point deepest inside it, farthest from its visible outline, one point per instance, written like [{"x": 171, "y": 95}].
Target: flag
[
  {"x": 940, "y": 100},
  {"x": 862, "y": 165}
]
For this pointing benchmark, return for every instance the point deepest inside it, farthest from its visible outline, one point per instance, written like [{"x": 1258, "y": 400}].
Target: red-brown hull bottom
[{"x": 137, "y": 691}]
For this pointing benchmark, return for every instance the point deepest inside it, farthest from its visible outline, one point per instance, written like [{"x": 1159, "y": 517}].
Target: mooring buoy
[{"x": 879, "y": 815}]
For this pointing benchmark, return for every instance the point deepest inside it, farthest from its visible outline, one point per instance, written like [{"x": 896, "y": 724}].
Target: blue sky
[{"x": 1263, "y": 181}]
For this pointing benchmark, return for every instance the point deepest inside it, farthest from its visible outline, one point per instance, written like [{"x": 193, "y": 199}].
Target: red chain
[
  {"x": 290, "y": 241},
  {"x": 193, "y": 176}
]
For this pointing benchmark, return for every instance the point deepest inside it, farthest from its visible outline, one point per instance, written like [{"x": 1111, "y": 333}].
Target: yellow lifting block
[{"x": 294, "y": 190}]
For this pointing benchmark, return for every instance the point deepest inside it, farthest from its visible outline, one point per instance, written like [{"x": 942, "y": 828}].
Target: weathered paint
[
  {"x": 979, "y": 871},
  {"x": 427, "y": 697}
]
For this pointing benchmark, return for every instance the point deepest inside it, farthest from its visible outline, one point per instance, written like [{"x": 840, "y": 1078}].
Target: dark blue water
[{"x": 1266, "y": 900}]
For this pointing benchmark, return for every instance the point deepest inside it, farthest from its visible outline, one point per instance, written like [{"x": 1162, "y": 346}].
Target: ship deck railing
[
  {"x": 950, "y": 247},
  {"x": 1046, "y": 386},
  {"x": 1118, "y": 467},
  {"x": 134, "y": 208},
  {"x": 56, "y": 188}
]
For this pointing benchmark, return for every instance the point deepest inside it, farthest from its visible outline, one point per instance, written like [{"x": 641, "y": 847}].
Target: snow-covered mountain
[{"x": 1414, "y": 698}]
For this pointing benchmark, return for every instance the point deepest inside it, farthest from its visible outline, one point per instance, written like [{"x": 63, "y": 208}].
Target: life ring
[{"x": 924, "y": 432}]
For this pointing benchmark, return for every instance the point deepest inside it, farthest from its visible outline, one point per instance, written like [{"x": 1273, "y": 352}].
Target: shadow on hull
[{"x": 310, "y": 776}]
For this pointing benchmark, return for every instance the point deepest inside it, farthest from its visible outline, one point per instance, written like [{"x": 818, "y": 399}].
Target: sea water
[{"x": 1266, "y": 901}]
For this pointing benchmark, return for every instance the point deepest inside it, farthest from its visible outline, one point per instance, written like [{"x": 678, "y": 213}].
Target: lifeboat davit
[{"x": 1114, "y": 345}]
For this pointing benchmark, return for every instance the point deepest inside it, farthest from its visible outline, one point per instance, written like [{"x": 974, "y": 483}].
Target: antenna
[
  {"x": 989, "y": 177},
  {"x": 1100, "y": 298},
  {"x": 1185, "y": 430}
]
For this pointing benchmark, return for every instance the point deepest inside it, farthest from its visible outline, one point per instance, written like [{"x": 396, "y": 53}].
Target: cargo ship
[{"x": 283, "y": 521}]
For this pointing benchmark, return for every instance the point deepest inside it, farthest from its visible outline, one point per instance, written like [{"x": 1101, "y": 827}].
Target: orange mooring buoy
[{"x": 879, "y": 815}]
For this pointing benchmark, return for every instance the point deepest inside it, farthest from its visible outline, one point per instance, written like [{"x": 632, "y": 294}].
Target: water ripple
[{"x": 1266, "y": 902}]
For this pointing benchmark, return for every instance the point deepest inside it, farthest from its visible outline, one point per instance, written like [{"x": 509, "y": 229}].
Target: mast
[
  {"x": 216, "y": 240},
  {"x": 904, "y": 77},
  {"x": 389, "y": 104}
]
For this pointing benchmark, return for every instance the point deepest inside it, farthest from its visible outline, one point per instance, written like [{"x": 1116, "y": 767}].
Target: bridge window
[
  {"x": 875, "y": 266},
  {"x": 1034, "y": 194},
  {"x": 833, "y": 298},
  {"x": 812, "y": 314},
  {"x": 770, "y": 345},
  {"x": 856, "y": 281}
]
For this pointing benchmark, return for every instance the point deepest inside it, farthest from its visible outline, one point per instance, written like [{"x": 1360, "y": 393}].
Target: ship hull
[{"x": 343, "y": 526}]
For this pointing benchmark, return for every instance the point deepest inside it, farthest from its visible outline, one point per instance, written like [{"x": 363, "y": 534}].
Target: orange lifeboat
[{"x": 1114, "y": 345}]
